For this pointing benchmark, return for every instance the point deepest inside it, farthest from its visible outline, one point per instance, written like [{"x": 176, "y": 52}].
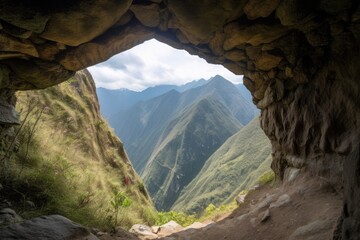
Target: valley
[{"x": 172, "y": 137}]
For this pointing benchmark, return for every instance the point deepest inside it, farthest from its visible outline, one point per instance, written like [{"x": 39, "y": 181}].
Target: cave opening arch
[{"x": 299, "y": 58}]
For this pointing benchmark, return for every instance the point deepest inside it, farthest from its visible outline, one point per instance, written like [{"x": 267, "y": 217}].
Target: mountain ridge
[{"x": 150, "y": 129}]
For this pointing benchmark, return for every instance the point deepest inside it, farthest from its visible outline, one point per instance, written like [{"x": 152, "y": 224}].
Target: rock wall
[{"x": 299, "y": 58}]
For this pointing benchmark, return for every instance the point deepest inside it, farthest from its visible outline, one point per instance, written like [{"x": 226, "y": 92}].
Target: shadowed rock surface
[
  {"x": 47, "y": 227},
  {"x": 300, "y": 60}
]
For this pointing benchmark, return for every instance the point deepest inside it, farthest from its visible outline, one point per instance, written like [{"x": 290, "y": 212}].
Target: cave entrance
[
  {"x": 299, "y": 60},
  {"x": 173, "y": 111}
]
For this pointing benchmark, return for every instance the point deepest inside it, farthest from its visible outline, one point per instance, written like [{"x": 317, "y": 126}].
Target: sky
[{"x": 154, "y": 63}]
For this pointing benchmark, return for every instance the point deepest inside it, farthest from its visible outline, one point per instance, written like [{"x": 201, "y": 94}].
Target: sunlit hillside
[{"x": 69, "y": 160}]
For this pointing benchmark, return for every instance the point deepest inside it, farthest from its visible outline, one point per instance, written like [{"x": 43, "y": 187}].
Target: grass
[{"x": 71, "y": 162}]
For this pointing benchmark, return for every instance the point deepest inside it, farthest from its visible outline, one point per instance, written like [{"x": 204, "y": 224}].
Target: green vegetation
[
  {"x": 266, "y": 177},
  {"x": 235, "y": 166},
  {"x": 190, "y": 140},
  {"x": 170, "y": 137},
  {"x": 69, "y": 161},
  {"x": 179, "y": 217},
  {"x": 120, "y": 201}
]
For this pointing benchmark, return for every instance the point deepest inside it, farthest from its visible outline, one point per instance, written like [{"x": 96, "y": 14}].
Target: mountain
[
  {"x": 113, "y": 101},
  {"x": 233, "y": 167},
  {"x": 69, "y": 161},
  {"x": 244, "y": 91},
  {"x": 167, "y": 134},
  {"x": 188, "y": 141}
]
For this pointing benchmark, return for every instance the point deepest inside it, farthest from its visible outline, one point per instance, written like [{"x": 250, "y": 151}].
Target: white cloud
[{"x": 153, "y": 63}]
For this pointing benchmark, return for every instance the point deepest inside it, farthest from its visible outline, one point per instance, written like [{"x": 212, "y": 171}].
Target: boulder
[
  {"x": 318, "y": 229},
  {"x": 170, "y": 227},
  {"x": 281, "y": 201},
  {"x": 84, "y": 21},
  {"x": 143, "y": 231},
  {"x": 54, "y": 227},
  {"x": 8, "y": 216}
]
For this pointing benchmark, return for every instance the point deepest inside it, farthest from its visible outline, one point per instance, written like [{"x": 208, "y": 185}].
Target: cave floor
[{"x": 307, "y": 208}]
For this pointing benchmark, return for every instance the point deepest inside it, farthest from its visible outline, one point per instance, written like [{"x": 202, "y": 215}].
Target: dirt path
[{"x": 303, "y": 209}]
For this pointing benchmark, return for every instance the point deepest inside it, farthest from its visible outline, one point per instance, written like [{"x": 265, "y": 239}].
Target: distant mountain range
[
  {"x": 169, "y": 132},
  {"x": 112, "y": 101}
]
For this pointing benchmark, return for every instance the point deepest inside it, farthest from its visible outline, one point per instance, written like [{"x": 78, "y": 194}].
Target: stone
[
  {"x": 37, "y": 74},
  {"x": 8, "y": 216},
  {"x": 274, "y": 92},
  {"x": 16, "y": 31},
  {"x": 216, "y": 43},
  {"x": 31, "y": 17},
  {"x": 242, "y": 217},
  {"x": 313, "y": 230},
  {"x": 8, "y": 114},
  {"x": 10, "y": 44},
  {"x": 195, "y": 225},
  {"x": 291, "y": 173},
  {"x": 237, "y": 34},
  {"x": 155, "y": 229},
  {"x": 265, "y": 203},
  {"x": 197, "y": 26},
  {"x": 260, "y": 8},
  {"x": 94, "y": 52},
  {"x": 84, "y": 22},
  {"x": 240, "y": 199},
  {"x": 171, "y": 226},
  {"x": 235, "y": 55},
  {"x": 291, "y": 12},
  {"x": 125, "y": 19},
  {"x": 148, "y": 15},
  {"x": 267, "y": 61},
  {"x": 143, "y": 231},
  {"x": 265, "y": 216},
  {"x": 281, "y": 201},
  {"x": 46, "y": 227}
]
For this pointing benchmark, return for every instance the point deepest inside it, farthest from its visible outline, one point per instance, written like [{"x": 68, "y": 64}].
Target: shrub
[{"x": 119, "y": 202}]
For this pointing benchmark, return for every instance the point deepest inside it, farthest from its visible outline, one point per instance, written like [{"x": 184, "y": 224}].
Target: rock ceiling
[{"x": 300, "y": 60}]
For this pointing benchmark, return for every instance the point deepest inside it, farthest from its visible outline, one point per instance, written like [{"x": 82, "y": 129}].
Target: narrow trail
[{"x": 306, "y": 208}]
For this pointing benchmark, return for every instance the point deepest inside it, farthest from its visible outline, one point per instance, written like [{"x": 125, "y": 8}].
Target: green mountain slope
[
  {"x": 235, "y": 166},
  {"x": 141, "y": 126},
  {"x": 69, "y": 161},
  {"x": 167, "y": 134},
  {"x": 188, "y": 141}
]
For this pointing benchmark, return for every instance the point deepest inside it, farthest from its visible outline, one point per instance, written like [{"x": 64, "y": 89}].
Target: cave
[{"x": 300, "y": 61}]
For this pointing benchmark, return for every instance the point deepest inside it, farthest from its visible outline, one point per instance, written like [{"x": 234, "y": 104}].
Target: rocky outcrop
[
  {"x": 46, "y": 227},
  {"x": 300, "y": 61}
]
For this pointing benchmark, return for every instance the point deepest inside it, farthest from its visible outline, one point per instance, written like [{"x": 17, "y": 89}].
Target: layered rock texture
[{"x": 300, "y": 60}]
